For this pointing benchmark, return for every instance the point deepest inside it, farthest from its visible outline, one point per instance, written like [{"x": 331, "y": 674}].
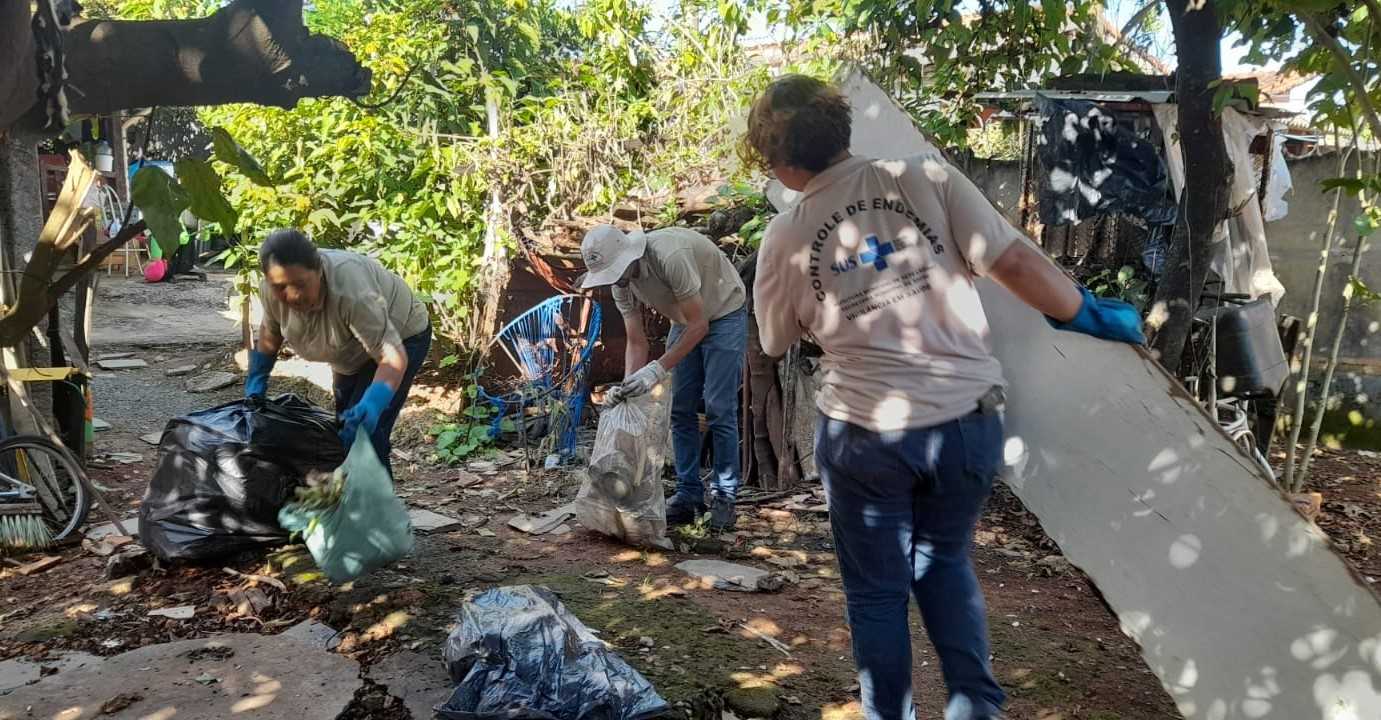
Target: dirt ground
[{"x": 1057, "y": 648}]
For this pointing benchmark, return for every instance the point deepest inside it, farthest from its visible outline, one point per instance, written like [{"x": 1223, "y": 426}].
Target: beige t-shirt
[
  {"x": 678, "y": 264},
  {"x": 365, "y": 308},
  {"x": 876, "y": 263}
]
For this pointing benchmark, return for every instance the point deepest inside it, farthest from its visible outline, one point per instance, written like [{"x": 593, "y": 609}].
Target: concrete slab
[
  {"x": 314, "y": 634},
  {"x": 428, "y": 521},
  {"x": 126, "y": 364},
  {"x": 722, "y": 575},
  {"x": 21, "y": 671},
  {"x": 254, "y": 677},
  {"x": 131, "y": 523},
  {"x": 181, "y": 370},
  {"x": 417, "y": 678},
  {"x": 152, "y": 438}
]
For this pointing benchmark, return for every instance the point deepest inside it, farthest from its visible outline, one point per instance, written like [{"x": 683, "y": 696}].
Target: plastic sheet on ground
[
  {"x": 224, "y": 473},
  {"x": 366, "y": 530},
  {"x": 621, "y": 495},
  {"x": 517, "y": 653}
]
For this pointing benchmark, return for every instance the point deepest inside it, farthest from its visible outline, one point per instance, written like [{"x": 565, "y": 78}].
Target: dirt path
[{"x": 1056, "y": 647}]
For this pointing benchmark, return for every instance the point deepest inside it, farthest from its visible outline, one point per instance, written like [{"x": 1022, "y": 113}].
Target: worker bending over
[
  {"x": 876, "y": 264},
  {"x": 344, "y": 309},
  {"x": 685, "y": 277}
]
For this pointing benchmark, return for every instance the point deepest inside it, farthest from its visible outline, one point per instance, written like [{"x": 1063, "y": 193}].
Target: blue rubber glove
[
  {"x": 260, "y": 365},
  {"x": 366, "y": 413},
  {"x": 1104, "y": 318}
]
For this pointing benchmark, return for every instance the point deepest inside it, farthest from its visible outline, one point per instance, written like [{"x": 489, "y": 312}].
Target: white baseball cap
[{"x": 608, "y": 252}]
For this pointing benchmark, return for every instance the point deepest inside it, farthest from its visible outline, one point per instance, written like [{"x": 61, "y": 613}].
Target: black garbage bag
[
  {"x": 1091, "y": 164},
  {"x": 223, "y": 474},
  {"x": 518, "y": 654}
]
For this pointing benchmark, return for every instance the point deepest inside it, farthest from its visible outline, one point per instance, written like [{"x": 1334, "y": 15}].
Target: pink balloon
[{"x": 156, "y": 271}]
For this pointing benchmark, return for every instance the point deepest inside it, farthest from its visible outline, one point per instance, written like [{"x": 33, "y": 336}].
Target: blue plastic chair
[{"x": 549, "y": 348}]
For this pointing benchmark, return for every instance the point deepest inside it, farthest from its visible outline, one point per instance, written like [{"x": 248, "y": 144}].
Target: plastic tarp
[
  {"x": 1240, "y": 255},
  {"x": 517, "y": 653},
  {"x": 621, "y": 495},
  {"x": 224, "y": 473},
  {"x": 367, "y": 529},
  {"x": 1091, "y": 165}
]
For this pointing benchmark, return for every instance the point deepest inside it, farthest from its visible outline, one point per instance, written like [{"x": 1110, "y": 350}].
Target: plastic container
[{"x": 1251, "y": 360}]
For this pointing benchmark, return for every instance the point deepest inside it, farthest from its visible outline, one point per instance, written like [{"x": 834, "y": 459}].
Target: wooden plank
[{"x": 1241, "y": 607}]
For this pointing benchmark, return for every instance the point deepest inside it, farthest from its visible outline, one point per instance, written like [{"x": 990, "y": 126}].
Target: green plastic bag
[{"x": 367, "y": 529}]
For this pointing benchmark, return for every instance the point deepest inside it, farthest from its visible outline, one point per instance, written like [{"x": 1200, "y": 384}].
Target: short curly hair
[{"x": 798, "y": 121}]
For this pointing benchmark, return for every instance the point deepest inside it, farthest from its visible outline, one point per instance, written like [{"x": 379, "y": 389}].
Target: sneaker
[
  {"x": 682, "y": 510},
  {"x": 722, "y": 514}
]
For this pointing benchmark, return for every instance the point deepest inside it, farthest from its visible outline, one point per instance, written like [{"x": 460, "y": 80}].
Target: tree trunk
[
  {"x": 254, "y": 51},
  {"x": 1205, "y": 196}
]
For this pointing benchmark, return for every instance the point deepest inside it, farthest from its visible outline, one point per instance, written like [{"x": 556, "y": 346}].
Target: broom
[{"x": 22, "y": 528}]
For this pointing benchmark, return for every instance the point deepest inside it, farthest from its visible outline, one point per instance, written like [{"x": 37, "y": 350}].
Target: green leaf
[
  {"x": 161, "y": 199},
  {"x": 1365, "y": 224},
  {"x": 1054, "y": 14},
  {"x": 229, "y": 152},
  {"x": 324, "y": 217},
  {"x": 203, "y": 186},
  {"x": 1352, "y": 186},
  {"x": 449, "y": 360},
  {"x": 1361, "y": 293}
]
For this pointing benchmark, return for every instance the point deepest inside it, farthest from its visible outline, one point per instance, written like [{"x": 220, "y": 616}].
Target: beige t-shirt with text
[
  {"x": 680, "y": 263},
  {"x": 364, "y": 308},
  {"x": 876, "y": 263}
]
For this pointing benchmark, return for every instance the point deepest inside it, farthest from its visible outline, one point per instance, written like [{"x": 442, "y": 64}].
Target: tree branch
[
  {"x": 1344, "y": 62},
  {"x": 92, "y": 261},
  {"x": 254, "y": 51}
]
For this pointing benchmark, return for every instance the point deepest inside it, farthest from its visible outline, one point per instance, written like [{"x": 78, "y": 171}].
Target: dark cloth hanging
[{"x": 1092, "y": 165}]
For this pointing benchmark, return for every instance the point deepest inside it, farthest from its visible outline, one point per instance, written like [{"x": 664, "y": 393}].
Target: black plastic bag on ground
[
  {"x": 224, "y": 473},
  {"x": 518, "y": 654}
]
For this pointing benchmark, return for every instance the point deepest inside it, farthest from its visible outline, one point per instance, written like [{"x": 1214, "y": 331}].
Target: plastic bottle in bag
[{"x": 621, "y": 494}]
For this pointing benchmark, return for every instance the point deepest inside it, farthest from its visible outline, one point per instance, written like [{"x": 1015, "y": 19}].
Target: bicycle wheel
[{"x": 60, "y": 486}]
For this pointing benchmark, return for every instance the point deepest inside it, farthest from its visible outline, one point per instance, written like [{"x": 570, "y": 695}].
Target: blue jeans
[
  {"x": 903, "y": 507},
  {"x": 711, "y": 372},
  {"x": 350, "y": 388}
]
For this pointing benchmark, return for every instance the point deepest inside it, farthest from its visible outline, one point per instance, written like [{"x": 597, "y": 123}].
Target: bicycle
[
  {"x": 37, "y": 472},
  {"x": 1232, "y": 397}
]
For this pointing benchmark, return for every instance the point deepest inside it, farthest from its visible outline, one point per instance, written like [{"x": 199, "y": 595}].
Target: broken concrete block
[
  {"x": 99, "y": 425},
  {"x": 418, "y": 679},
  {"x": 251, "y": 676},
  {"x": 98, "y": 532},
  {"x": 428, "y": 521},
  {"x": 212, "y": 381},
  {"x": 181, "y": 370},
  {"x": 121, "y": 364},
  {"x": 543, "y": 523},
  {"x": 153, "y": 438},
  {"x": 313, "y": 634},
  {"x": 722, "y": 575},
  {"x": 181, "y": 612}
]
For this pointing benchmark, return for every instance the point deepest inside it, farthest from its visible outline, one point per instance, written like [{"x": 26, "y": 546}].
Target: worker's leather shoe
[
  {"x": 682, "y": 510},
  {"x": 722, "y": 514}
]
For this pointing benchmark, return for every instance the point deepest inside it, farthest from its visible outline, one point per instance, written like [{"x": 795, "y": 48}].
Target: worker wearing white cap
[{"x": 682, "y": 275}]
